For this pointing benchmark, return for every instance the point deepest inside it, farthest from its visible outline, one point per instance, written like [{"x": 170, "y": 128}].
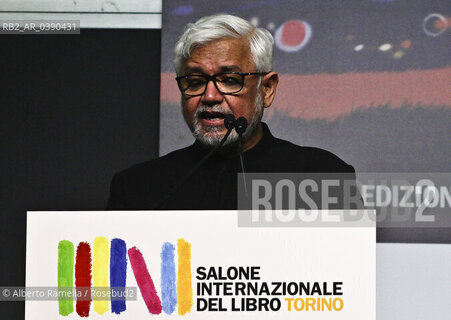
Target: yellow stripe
[
  {"x": 184, "y": 285},
  {"x": 100, "y": 266}
]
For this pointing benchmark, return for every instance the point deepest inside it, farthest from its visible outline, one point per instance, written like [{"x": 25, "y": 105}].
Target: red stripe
[
  {"x": 144, "y": 281},
  {"x": 331, "y": 96},
  {"x": 83, "y": 279}
]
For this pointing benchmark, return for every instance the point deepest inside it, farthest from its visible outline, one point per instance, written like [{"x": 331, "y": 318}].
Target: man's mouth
[{"x": 212, "y": 118}]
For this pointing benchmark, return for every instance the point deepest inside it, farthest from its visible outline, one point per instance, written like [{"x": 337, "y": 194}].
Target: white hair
[{"x": 224, "y": 26}]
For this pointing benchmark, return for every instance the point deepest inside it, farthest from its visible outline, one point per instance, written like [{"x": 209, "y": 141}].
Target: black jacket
[{"x": 214, "y": 185}]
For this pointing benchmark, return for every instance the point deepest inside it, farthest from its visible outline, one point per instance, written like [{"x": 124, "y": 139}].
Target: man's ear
[{"x": 269, "y": 86}]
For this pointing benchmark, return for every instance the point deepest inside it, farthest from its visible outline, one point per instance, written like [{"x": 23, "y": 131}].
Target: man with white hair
[{"x": 224, "y": 67}]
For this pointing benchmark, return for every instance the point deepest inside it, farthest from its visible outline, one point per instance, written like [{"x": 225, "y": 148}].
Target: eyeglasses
[{"x": 226, "y": 83}]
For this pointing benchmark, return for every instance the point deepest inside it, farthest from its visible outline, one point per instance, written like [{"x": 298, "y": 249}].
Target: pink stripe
[{"x": 144, "y": 281}]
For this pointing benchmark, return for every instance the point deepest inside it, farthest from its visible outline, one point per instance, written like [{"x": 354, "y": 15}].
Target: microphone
[
  {"x": 229, "y": 123},
  {"x": 240, "y": 125}
]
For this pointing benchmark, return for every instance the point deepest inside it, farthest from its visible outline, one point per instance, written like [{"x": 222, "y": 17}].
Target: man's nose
[{"x": 212, "y": 95}]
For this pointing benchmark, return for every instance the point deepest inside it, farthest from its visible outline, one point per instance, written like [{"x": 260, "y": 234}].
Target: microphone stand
[
  {"x": 240, "y": 127},
  {"x": 229, "y": 123}
]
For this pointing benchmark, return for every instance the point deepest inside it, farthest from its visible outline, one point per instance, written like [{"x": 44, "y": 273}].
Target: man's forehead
[
  {"x": 224, "y": 54},
  {"x": 194, "y": 67}
]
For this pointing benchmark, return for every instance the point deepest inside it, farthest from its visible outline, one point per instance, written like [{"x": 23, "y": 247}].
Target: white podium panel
[{"x": 201, "y": 265}]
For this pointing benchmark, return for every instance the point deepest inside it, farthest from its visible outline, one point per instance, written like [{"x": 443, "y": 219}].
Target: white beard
[{"x": 213, "y": 136}]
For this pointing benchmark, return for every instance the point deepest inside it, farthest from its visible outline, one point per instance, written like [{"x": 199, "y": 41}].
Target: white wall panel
[
  {"x": 413, "y": 281},
  {"x": 141, "y": 14}
]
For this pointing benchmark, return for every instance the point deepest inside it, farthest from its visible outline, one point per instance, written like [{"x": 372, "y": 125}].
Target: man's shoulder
[
  {"x": 142, "y": 185},
  {"x": 156, "y": 165},
  {"x": 312, "y": 159}
]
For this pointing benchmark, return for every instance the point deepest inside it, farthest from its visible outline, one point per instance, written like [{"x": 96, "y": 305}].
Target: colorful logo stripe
[
  {"x": 176, "y": 288},
  {"x": 118, "y": 274},
  {"x": 83, "y": 279},
  {"x": 144, "y": 281},
  {"x": 65, "y": 275},
  {"x": 184, "y": 285},
  {"x": 168, "y": 278},
  {"x": 100, "y": 262}
]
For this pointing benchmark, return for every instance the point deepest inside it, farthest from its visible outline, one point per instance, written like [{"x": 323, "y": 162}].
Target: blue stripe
[
  {"x": 168, "y": 278},
  {"x": 118, "y": 275}
]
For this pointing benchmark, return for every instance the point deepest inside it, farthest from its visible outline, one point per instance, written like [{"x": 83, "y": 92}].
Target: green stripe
[{"x": 65, "y": 276}]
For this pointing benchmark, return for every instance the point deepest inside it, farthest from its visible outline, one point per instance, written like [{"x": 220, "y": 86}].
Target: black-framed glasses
[{"x": 226, "y": 82}]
